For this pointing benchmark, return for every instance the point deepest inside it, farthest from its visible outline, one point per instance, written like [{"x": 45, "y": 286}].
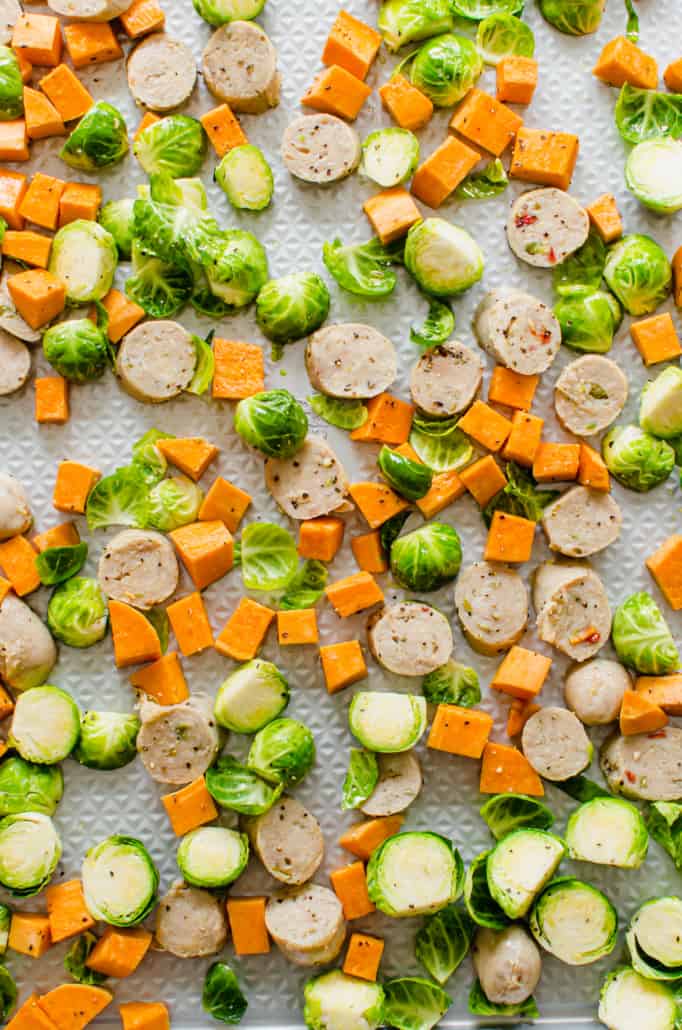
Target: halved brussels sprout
[
  {"x": 5, "y": 921},
  {"x": 175, "y": 144},
  {"x": 100, "y": 139},
  {"x": 292, "y": 307},
  {"x": 363, "y": 269},
  {"x": 607, "y": 831},
  {"x": 29, "y": 851},
  {"x": 57, "y": 564},
  {"x": 642, "y": 638},
  {"x": 444, "y": 259},
  {"x": 84, "y": 257},
  {"x": 268, "y": 556},
  {"x": 173, "y": 502},
  {"x": 476, "y": 10},
  {"x": 639, "y": 273},
  {"x": 78, "y": 350},
  {"x": 574, "y": 921},
  {"x": 45, "y": 725},
  {"x": 221, "y": 996},
  {"x": 653, "y": 172},
  {"x": 660, "y": 409},
  {"x": 445, "y": 68},
  {"x": 588, "y": 320},
  {"x": 479, "y": 902},
  {"x": 282, "y": 752},
  {"x": 212, "y": 856},
  {"x": 119, "y": 881},
  {"x": 505, "y": 813},
  {"x": 336, "y": 1001},
  {"x": 251, "y": 697},
  {"x": 654, "y": 939},
  {"x": 437, "y": 327},
  {"x": 273, "y": 421},
  {"x": 77, "y": 612},
  {"x": 220, "y": 12},
  {"x": 107, "y": 740},
  {"x": 636, "y": 458},
  {"x": 426, "y": 558},
  {"x": 520, "y": 866},
  {"x": 361, "y": 778},
  {"x": 121, "y": 499},
  {"x": 504, "y": 35},
  {"x": 245, "y": 177},
  {"x": 414, "y": 873},
  {"x": 408, "y": 21},
  {"x": 236, "y": 267},
  {"x": 238, "y": 788},
  {"x": 117, "y": 218},
  {"x": 27, "y": 787},
  {"x": 11, "y": 86},
  {"x": 412, "y": 479},
  {"x": 387, "y": 722},
  {"x": 574, "y": 17},
  {"x": 443, "y": 942},
  {"x": 77, "y": 956},
  {"x": 390, "y": 156},
  {"x": 414, "y": 1003},
  {"x": 629, "y": 1001}
]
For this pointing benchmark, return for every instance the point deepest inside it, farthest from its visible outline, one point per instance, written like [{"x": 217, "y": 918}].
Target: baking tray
[{"x": 105, "y": 421}]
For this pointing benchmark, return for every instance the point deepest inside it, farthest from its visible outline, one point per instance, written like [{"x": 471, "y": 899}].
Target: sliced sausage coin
[
  {"x": 156, "y": 361},
  {"x": 27, "y": 650},
  {"x": 507, "y": 963},
  {"x": 320, "y": 148},
  {"x": 545, "y": 226},
  {"x": 590, "y": 394},
  {"x": 317, "y": 956},
  {"x": 555, "y": 743},
  {"x": 306, "y": 923},
  {"x": 89, "y": 10},
  {"x": 647, "y": 767},
  {"x": 138, "y": 567},
  {"x": 520, "y": 331},
  {"x": 350, "y": 360},
  {"x": 313, "y": 482},
  {"x": 409, "y": 638},
  {"x": 288, "y": 841},
  {"x": 575, "y": 617},
  {"x": 161, "y": 72},
  {"x": 400, "y": 780},
  {"x": 15, "y": 513},
  {"x": 10, "y": 319},
  {"x": 594, "y": 690},
  {"x": 492, "y": 605},
  {"x": 15, "y": 363},
  {"x": 582, "y": 522},
  {"x": 9, "y": 12},
  {"x": 177, "y": 743},
  {"x": 191, "y": 922},
  {"x": 240, "y": 67},
  {"x": 446, "y": 379}
]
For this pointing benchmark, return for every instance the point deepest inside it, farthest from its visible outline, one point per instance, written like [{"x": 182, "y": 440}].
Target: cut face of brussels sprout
[
  {"x": 628, "y": 1001},
  {"x": 361, "y": 778},
  {"x": 363, "y": 269},
  {"x": 452, "y": 684},
  {"x": 272, "y": 421},
  {"x": 335, "y": 1001},
  {"x": 637, "y": 459},
  {"x": 413, "y": 874},
  {"x": 413, "y": 1003},
  {"x": 29, "y": 851},
  {"x": 639, "y": 273},
  {"x": 480, "y": 904},
  {"x": 173, "y": 502},
  {"x": 407, "y": 21},
  {"x": 11, "y": 86},
  {"x": 660, "y": 410},
  {"x": 653, "y": 172},
  {"x": 443, "y": 942},
  {"x": 238, "y": 788},
  {"x": 654, "y": 939},
  {"x": 45, "y": 725},
  {"x": 119, "y": 881},
  {"x": 220, "y": 12},
  {"x": 77, "y": 612},
  {"x": 642, "y": 638},
  {"x": 222, "y": 997},
  {"x": 282, "y": 752},
  {"x": 117, "y": 218},
  {"x": 176, "y": 144},
  {"x": 504, "y": 35},
  {"x": 520, "y": 866},
  {"x": 444, "y": 259},
  {"x": 607, "y": 831},
  {"x": 411, "y": 479},
  {"x": 387, "y": 722},
  {"x": 574, "y": 921},
  {"x": 292, "y": 307},
  {"x": 213, "y": 856},
  {"x": 588, "y": 320},
  {"x": 100, "y": 139},
  {"x": 77, "y": 350},
  {"x": 57, "y": 564},
  {"x": 445, "y": 69},
  {"x": 642, "y": 114},
  {"x": 245, "y": 178},
  {"x": 251, "y": 697},
  {"x": 505, "y": 813},
  {"x": 26, "y": 787},
  {"x": 107, "y": 740},
  {"x": 426, "y": 558},
  {"x": 84, "y": 257},
  {"x": 390, "y": 156},
  {"x": 574, "y": 17},
  {"x": 268, "y": 556}
]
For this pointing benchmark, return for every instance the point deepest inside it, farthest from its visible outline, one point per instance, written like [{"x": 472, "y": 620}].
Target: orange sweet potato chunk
[
  {"x": 656, "y": 339},
  {"x": 245, "y": 631},
  {"x": 640, "y": 715},
  {"x": 30, "y": 1016},
  {"x": 14, "y": 140},
  {"x": 142, "y": 17},
  {"x": 320, "y": 538},
  {"x": 483, "y": 479},
  {"x": 297, "y": 627},
  {"x": 486, "y": 122},
  {"x": 407, "y": 105},
  {"x": 354, "y": 594},
  {"x": 190, "y": 807},
  {"x": 443, "y": 170},
  {"x": 192, "y": 454},
  {"x": 162, "y": 680},
  {"x": 505, "y": 770},
  {"x": 522, "y": 673},
  {"x": 239, "y": 369},
  {"x": 389, "y": 420},
  {"x": 124, "y": 314},
  {"x": 363, "y": 956},
  {"x": 665, "y": 565},
  {"x": 134, "y": 638},
  {"x": 32, "y": 248},
  {"x": 74, "y": 1005},
  {"x": 42, "y": 117},
  {"x": 18, "y": 562},
  {"x": 336, "y": 91},
  {"x": 377, "y": 502},
  {"x": 66, "y": 910},
  {"x": 523, "y": 442},
  {"x": 622, "y": 61},
  {"x": 446, "y": 487},
  {"x": 485, "y": 425},
  {"x": 510, "y": 538},
  {"x": 391, "y": 213},
  {"x": 29, "y": 933},
  {"x": 592, "y": 470},
  {"x": 51, "y": 400},
  {"x": 364, "y": 838},
  {"x": 206, "y": 550},
  {"x": 67, "y": 92},
  {"x": 247, "y": 925},
  {"x": 460, "y": 731},
  {"x": 72, "y": 486},
  {"x": 350, "y": 886},
  {"x": 39, "y": 38},
  {"x": 82, "y": 200},
  {"x": 512, "y": 389},
  {"x": 368, "y": 552},
  {"x": 351, "y": 44},
  {"x": 605, "y": 217},
  {"x": 91, "y": 43},
  {"x": 13, "y": 186},
  {"x": 546, "y": 158},
  {"x": 144, "y": 1015},
  {"x": 226, "y": 502},
  {"x": 223, "y": 129},
  {"x": 38, "y": 296},
  {"x": 119, "y": 952},
  {"x": 556, "y": 462},
  {"x": 516, "y": 79},
  {"x": 342, "y": 664},
  {"x": 189, "y": 622}
]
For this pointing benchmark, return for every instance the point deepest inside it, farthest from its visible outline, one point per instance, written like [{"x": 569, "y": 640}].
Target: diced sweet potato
[
  {"x": 74, "y": 1005},
  {"x": 640, "y": 715},
  {"x": 622, "y": 61},
  {"x": 665, "y": 565},
  {"x": 190, "y": 624},
  {"x": 247, "y": 925},
  {"x": 148, "y": 118},
  {"x": 119, "y": 952},
  {"x": 605, "y": 217},
  {"x": 239, "y": 369},
  {"x": 91, "y": 43},
  {"x": 350, "y": 887},
  {"x": 320, "y": 538},
  {"x": 124, "y": 314},
  {"x": 672, "y": 76},
  {"x": 192, "y": 454},
  {"x": 66, "y": 910},
  {"x": 51, "y": 400},
  {"x": 592, "y": 470},
  {"x": 41, "y": 201},
  {"x": 460, "y": 731},
  {"x": 14, "y": 140},
  {"x": 664, "y": 691},
  {"x": 67, "y": 92},
  {"x": 546, "y": 158},
  {"x": 351, "y": 44},
  {"x": 41, "y": 116},
  {"x": 443, "y": 170},
  {"x": 18, "y": 562},
  {"x": 523, "y": 442},
  {"x": 522, "y": 673},
  {"x": 32, "y": 248},
  {"x": 368, "y": 552},
  {"x": 206, "y": 550},
  {"x": 516, "y": 79},
  {"x": 223, "y": 129},
  {"x": 336, "y": 91},
  {"x": 504, "y": 770},
  {"x": 142, "y": 17},
  {"x": 342, "y": 664},
  {"x": 407, "y": 105},
  {"x": 389, "y": 420},
  {"x": 29, "y": 933},
  {"x": 354, "y": 594},
  {"x": 446, "y": 487},
  {"x": 391, "y": 213},
  {"x": 244, "y": 631},
  {"x": 364, "y": 838},
  {"x": 144, "y": 1015},
  {"x": 190, "y": 807},
  {"x": 510, "y": 538},
  {"x": 226, "y": 502},
  {"x": 485, "y": 425},
  {"x": 134, "y": 638},
  {"x": 82, "y": 200},
  {"x": 13, "y": 186},
  {"x": 64, "y": 535},
  {"x": 656, "y": 339},
  {"x": 377, "y": 502},
  {"x": 519, "y": 714},
  {"x": 39, "y": 38},
  {"x": 30, "y": 1016},
  {"x": 38, "y": 295},
  {"x": 512, "y": 389},
  {"x": 483, "y": 479},
  {"x": 486, "y": 122},
  {"x": 556, "y": 462},
  {"x": 297, "y": 627},
  {"x": 363, "y": 956},
  {"x": 72, "y": 486},
  {"x": 162, "y": 680}
]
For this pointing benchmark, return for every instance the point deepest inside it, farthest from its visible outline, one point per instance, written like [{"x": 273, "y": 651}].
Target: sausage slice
[
  {"x": 240, "y": 67},
  {"x": 646, "y": 766},
  {"x": 594, "y": 691},
  {"x": 399, "y": 784},
  {"x": 446, "y": 379},
  {"x": 320, "y": 148},
  {"x": 89, "y": 10},
  {"x": 492, "y": 605},
  {"x": 27, "y": 650},
  {"x": 156, "y": 361},
  {"x": 138, "y": 567},
  {"x": 15, "y": 512},
  {"x": 507, "y": 963},
  {"x": 590, "y": 394},
  {"x": 350, "y": 360},
  {"x": 545, "y": 226},
  {"x": 161, "y": 72},
  {"x": 288, "y": 841},
  {"x": 555, "y": 743},
  {"x": 15, "y": 363},
  {"x": 191, "y": 922},
  {"x": 518, "y": 330},
  {"x": 582, "y": 522},
  {"x": 573, "y": 612},
  {"x": 409, "y": 638},
  {"x": 306, "y": 924},
  {"x": 313, "y": 482},
  {"x": 177, "y": 743}
]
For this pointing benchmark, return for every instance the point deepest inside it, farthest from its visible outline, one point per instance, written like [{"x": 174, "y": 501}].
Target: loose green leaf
[
  {"x": 584, "y": 268},
  {"x": 664, "y": 823},
  {"x": 240, "y": 789},
  {"x": 390, "y": 531},
  {"x": 8, "y": 993},
  {"x": 147, "y": 457},
  {"x": 440, "y": 444},
  {"x": 56, "y": 564},
  {"x": 120, "y": 499},
  {"x": 632, "y": 30},
  {"x": 268, "y": 556},
  {"x": 443, "y": 942},
  {"x": 478, "y": 900},
  {"x": 205, "y": 366},
  {"x": 519, "y": 497},
  {"x": 361, "y": 778},
  {"x": 489, "y": 182},
  {"x": 480, "y": 1006},
  {"x": 642, "y": 638},
  {"x": 414, "y": 1003},
  {"x": 452, "y": 684},
  {"x": 345, "y": 414},
  {"x": 75, "y": 958},
  {"x": 503, "y": 35},
  {"x": 306, "y": 587},
  {"x": 437, "y": 327},
  {"x": 363, "y": 269},
  {"x": 505, "y": 813},
  {"x": 643, "y": 114},
  {"x": 581, "y": 789},
  {"x": 161, "y": 623},
  {"x": 222, "y": 997}
]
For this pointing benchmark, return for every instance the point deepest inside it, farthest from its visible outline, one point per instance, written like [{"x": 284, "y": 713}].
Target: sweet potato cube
[
  {"x": 144, "y": 1015},
  {"x": 134, "y": 638},
  {"x": 516, "y": 79},
  {"x": 460, "y": 731},
  {"x": 206, "y": 550},
  {"x": 244, "y": 631},
  {"x": 672, "y": 76},
  {"x": 223, "y": 129},
  {"x": 14, "y": 140},
  {"x": 363, "y": 956},
  {"x": 91, "y": 43},
  {"x": 39, "y": 38},
  {"x": 336, "y": 91},
  {"x": 320, "y": 538},
  {"x": 391, "y": 213},
  {"x": 74, "y": 1005},
  {"x": 664, "y": 691},
  {"x": 510, "y": 538},
  {"x": 640, "y": 715},
  {"x": 190, "y": 624},
  {"x": 656, "y": 339},
  {"x": 64, "y": 535},
  {"x": 546, "y": 158},
  {"x": 25, "y": 66},
  {"x": 51, "y": 400},
  {"x": 350, "y": 886},
  {"x": 483, "y": 479},
  {"x": 33, "y": 248},
  {"x": 66, "y": 910},
  {"x": 592, "y": 470},
  {"x": 665, "y": 565},
  {"x": 389, "y": 420},
  {"x": 605, "y": 217},
  {"x": 226, "y": 502},
  {"x": 504, "y": 770},
  {"x": 377, "y": 502},
  {"x": 519, "y": 714},
  {"x": 13, "y": 186},
  {"x": 124, "y": 314},
  {"x": 72, "y": 486},
  {"x": 364, "y": 838},
  {"x": 622, "y": 61},
  {"x": 342, "y": 664},
  {"x": 18, "y": 562},
  {"x": 485, "y": 425},
  {"x": 29, "y": 933},
  {"x": 368, "y": 552},
  {"x": 81, "y": 200},
  {"x": 407, "y": 105},
  {"x": 67, "y": 92},
  {"x": 351, "y": 44},
  {"x": 512, "y": 389},
  {"x": 446, "y": 487},
  {"x": 191, "y": 454},
  {"x": 677, "y": 276},
  {"x": 162, "y": 680},
  {"x": 486, "y": 122},
  {"x": 297, "y": 627},
  {"x": 41, "y": 116},
  {"x": 523, "y": 442},
  {"x": 247, "y": 925},
  {"x": 443, "y": 170},
  {"x": 522, "y": 673},
  {"x": 239, "y": 369},
  {"x": 38, "y": 295},
  {"x": 190, "y": 807},
  {"x": 556, "y": 462},
  {"x": 119, "y": 952},
  {"x": 41, "y": 201},
  {"x": 142, "y": 17},
  {"x": 30, "y": 1016},
  {"x": 354, "y": 594}
]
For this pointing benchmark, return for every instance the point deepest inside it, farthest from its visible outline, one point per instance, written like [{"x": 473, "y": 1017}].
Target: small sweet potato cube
[
  {"x": 592, "y": 470},
  {"x": 66, "y": 910},
  {"x": 142, "y": 17},
  {"x": 377, "y": 502},
  {"x": 72, "y": 486},
  {"x": 665, "y": 565},
  {"x": 510, "y": 538},
  {"x": 124, "y": 314},
  {"x": 134, "y": 638},
  {"x": 363, "y": 838},
  {"x": 656, "y": 339},
  {"x": 162, "y": 680},
  {"x": 82, "y": 200},
  {"x": 190, "y": 624},
  {"x": 42, "y": 117},
  {"x": 351, "y": 44},
  {"x": 41, "y": 201},
  {"x": 672, "y": 76},
  {"x": 512, "y": 389},
  {"x": 354, "y": 594},
  {"x": 342, "y": 664},
  {"x": 38, "y": 295},
  {"x": 664, "y": 691},
  {"x": 391, "y": 213},
  {"x": 486, "y": 122},
  {"x": 407, "y": 105},
  {"x": 350, "y": 886},
  {"x": 516, "y": 79},
  {"x": 363, "y": 956},
  {"x": 336, "y": 91},
  {"x": 119, "y": 951},
  {"x": 297, "y": 627},
  {"x": 226, "y": 502},
  {"x": 483, "y": 479},
  {"x": 443, "y": 170},
  {"x": 51, "y": 400},
  {"x": 368, "y": 552},
  {"x": 206, "y": 550},
  {"x": 191, "y": 454},
  {"x": 29, "y": 934},
  {"x": 39, "y": 38},
  {"x": 30, "y": 1016},
  {"x": 546, "y": 158},
  {"x": 247, "y": 925},
  {"x": 144, "y": 1015},
  {"x": 223, "y": 129},
  {"x": 33, "y": 248},
  {"x": 244, "y": 631},
  {"x": 640, "y": 715},
  {"x": 320, "y": 538},
  {"x": 485, "y": 425},
  {"x": 519, "y": 714},
  {"x": 605, "y": 217},
  {"x": 13, "y": 186},
  {"x": 14, "y": 140},
  {"x": 190, "y": 807},
  {"x": 91, "y": 43},
  {"x": 505, "y": 770},
  {"x": 556, "y": 462},
  {"x": 523, "y": 442},
  {"x": 64, "y": 535},
  {"x": 239, "y": 369},
  {"x": 25, "y": 67},
  {"x": 446, "y": 487},
  {"x": 389, "y": 420},
  {"x": 460, "y": 731},
  {"x": 522, "y": 673},
  {"x": 622, "y": 61},
  {"x": 18, "y": 562},
  {"x": 67, "y": 92}
]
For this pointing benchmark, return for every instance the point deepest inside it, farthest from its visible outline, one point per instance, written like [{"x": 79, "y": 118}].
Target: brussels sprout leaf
[
  {"x": 390, "y": 530},
  {"x": 413, "y": 1003},
  {"x": 147, "y": 457},
  {"x": 643, "y": 114},
  {"x": 583, "y": 268},
  {"x": 161, "y": 623},
  {"x": 204, "y": 368},
  {"x": 520, "y": 497},
  {"x": 443, "y": 942},
  {"x": 479, "y": 902},
  {"x": 345, "y": 414},
  {"x": 489, "y": 182},
  {"x": 160, "y": 288},
  {"x": 363, "y": 269},
  {"x": 75, "y": 958},
  {"x": 238, "y": 788},
  {"x": 361, "y": 778},
  {"x": 452, "y": 684},
  {"x": 632, "y": 29},
  {"x": 440, "y": 444},
  {"x": 120, "y": 499},
  {"x": 222, "y": 997},
  {"x": 505, "y": 813},
  {"x": 306, "y": 587},
  {"x": 56, "y": 564},
  {"x": 642, "y": 638},
  {"x": 437, "y": 327},
  {"x": 8, "y": 993},
  {"x": 664, "y": 822},
  {"x": 480, "y": 1006},
  {"x": 268, "y": 556},
  {"x": 582, "y": 789}
]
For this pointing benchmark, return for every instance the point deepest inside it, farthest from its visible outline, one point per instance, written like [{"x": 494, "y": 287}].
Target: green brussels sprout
[
  {"x": 236, "y": 268},
  {"x": 390, "y": 156},
  {"x": 452, "y": 684},
  {"x": 477, "y": 10},
  {"x": 173, "y": 502},
  {"x": 643, "y": 114},
  {"x": 148, "y": 459},
  {"x": 363, "y": 269},
  {"x": 414, "y": 1003},
  {"x": 361, "y": 778},
  {"x": 636, "y": 458},
  {"x": 78, "y": 350},
  {"x": 306, "y": 586},
  {"x": 77, "y": 612},
  {"x": 588, "y": 320},
  {"x": 440, "y": 444},
  {"x": 639, "y": 273},
  {"x": 5, "y": 922},
  {"x": 583, "y": 269},
  {"x": 11, "y": 86},
  {"x": 45, "y": 725},
  {"x": 220, "y": 12},
  {"x": 445, "y": 69},
  {"x": 607, "y": 831},
  {"x": 159, "y": 287},
  {"x": 77, "y": 956},
  {"x": 117, "y": 218},
  {"x": 268, "y": 556},
  {"x": 385, "y": 721},
  {"x": 503, "y": 35},
  {"x": 653, "y": 939},
  {"x": 660, "y": 408},
  {"x": 222, "y": 997},
  {"x": 120, "y": 499},
  {"x": 480, "y": 1005},
  {"x": 443, "y": 941},
  {"x": 504, "y": 813},
  {"x": 519, "y": 866},
  {"x": 212, "y": 856},
  {"x": 664, "y": 822},
  {"x": 489, "y": 182},
  {"x": 653, "y": 173},
  {"x": 273, "y": 421},
  {"x": 427, "y": 558},
  {"x": 29, "y": 851},
  {"x": 100, "y": 139},
  {"x": 27, "y": 787},
  {"x": 8, "y": 993},
  {"x": 411, "y": 479},
  {"x": 292, "y": 307},
  {"x": 409, "y": 21},
  {"x": 107, "y": 740},
  {"x": 625, "y": 993},
  {"x": 282, "y": 752},
  {"x": 119, "y": 881},
  {"x": 251, "y": 697},
  {"x": 478, "y": 900},
  {"x": 574, "y": 17},
  {"x": 335, "y": 1000},
  {"x": 84, "y": 257},
  {"x": 245, "y": 177},
  {"x": 444, "y": 259},
  {"x": 183, "y": 192},
  {"x": 437, "y": 327},
  {"x": 641, "y": 637},
  {"x": 574, "y": 921},
  {"x": 56, "y": 564},
  {"x": 174, "y": 233},
  {"x": 175, "y": 144},
  {"x": 413, "y": 874},
  {"x": 238, "y": 788},
  {"x": 339, "y": 411}
]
